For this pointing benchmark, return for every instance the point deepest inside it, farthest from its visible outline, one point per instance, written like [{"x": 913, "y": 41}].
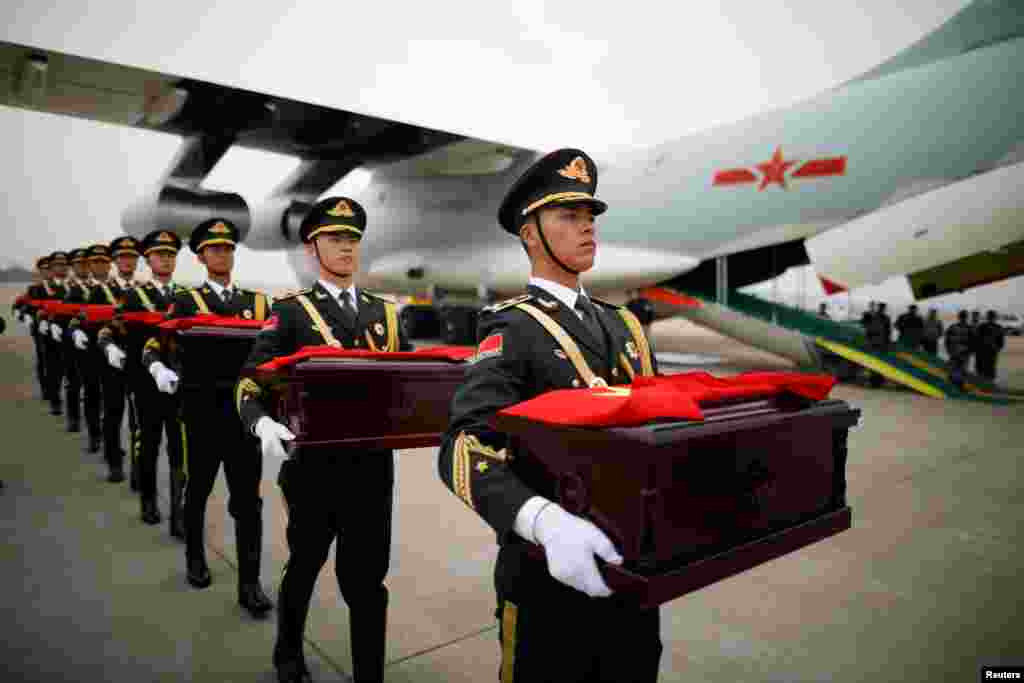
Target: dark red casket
[
  {"x": 365, "y": 403},
  {"x": 689, "y": 503}
]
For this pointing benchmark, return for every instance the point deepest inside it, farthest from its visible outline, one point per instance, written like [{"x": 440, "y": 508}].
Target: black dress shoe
[
  {"x": 252, "y": 598},
  {"x": 116, "y": 476},
  {"x": 150, "y": 512},
  {"x": 56, "y": 410},
  {"x": 94, "y": 444},
  {"x": 197, "y": 573},
  {"x": 293, "y": 671}
]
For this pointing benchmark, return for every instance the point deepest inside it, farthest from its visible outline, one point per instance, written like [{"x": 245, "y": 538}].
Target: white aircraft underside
[{"x": 850, "y": 164}]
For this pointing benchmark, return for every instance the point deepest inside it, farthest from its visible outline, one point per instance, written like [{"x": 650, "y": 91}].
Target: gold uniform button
[
  {"x": 615, "y": 372},
  {"x": 576, "y": 383}
]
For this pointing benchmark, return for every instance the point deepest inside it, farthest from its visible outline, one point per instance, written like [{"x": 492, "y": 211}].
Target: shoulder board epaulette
[
  {"x": 379, "y": 297},
  {"x": 507, "y": 303},
  {"x": 292, "y": 295}
]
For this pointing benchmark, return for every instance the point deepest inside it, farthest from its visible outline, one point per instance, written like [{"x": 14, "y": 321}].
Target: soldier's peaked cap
[
  {"x": 160, "y": 240},
  {"x": 99, "y": 252},
  {"x": 58, "y": 257},
  {"x": 563, "y": 177},
  {"x": 80, "y": 254},
  {"x": 213, "y": 231},
  {"x": 125, "y": 245},
  {"x": 334, "y": 214},
  {"x": 43, "y": 262}
]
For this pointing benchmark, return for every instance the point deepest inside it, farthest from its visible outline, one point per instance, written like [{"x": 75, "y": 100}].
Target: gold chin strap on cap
[
  {"x": 572, "y": 351},
  {"x": 318, "y": 322},
  {"x": 637, "y": 330}
]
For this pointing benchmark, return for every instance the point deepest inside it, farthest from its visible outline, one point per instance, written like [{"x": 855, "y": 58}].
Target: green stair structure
[{"x": 918, "y": 370}]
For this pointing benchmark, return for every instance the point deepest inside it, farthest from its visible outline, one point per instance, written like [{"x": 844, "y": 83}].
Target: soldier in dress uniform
[
  {"x": 558, "y": 622},
  {"x": 55, "y": 289},
  {"x": 330, "y": 492},
  {"x": 77, "y": 293},
  {"x": 125, "y": 251},
  {"x": 158, "y": 411},
  {"x": 214, "y": 434},
  {"x": 989, "y": 339},
  {"x": 91, "y": 365},
  {"x": 28, "y": 316}
]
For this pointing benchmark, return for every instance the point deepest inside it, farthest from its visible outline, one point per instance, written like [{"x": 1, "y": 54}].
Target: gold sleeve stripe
[
  {"x": 261, "y": 306},
  {"x": 508, "y": 642},
  {"x": 461, "y": 484},
  {"x": 184, "y": 448},
  {"x": 246, "y": 389},
  {"x": 200, "y": 302},
  {"x": 637, "y": 330}
]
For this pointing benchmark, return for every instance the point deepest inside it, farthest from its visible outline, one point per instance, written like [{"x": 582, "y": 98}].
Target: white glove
[
  {"x": 56, "y": 332},
  {"x": 115, "y": 356},
  {"x": 44, "y": 326},
  {"x": 271, "y": 435},
  {"x": 166, "y": 380},
  {"x": 570, "y": 543},
  {"x": 81, "y": 339}
]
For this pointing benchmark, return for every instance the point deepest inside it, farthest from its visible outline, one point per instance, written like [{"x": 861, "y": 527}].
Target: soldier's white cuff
[{"x": 527, "y": 516}]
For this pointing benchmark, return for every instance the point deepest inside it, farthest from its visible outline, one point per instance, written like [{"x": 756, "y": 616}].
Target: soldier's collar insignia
[
  {"x": 206, "y": 290},
  {"x": 631, "y": 350},
  {"x": 576, "y": 170},
  {"x": 342, "y": 208},
  {"x": 548, "y": 304},
  {"x": 321, "y": 295},
  {"x": 220, "y": 229},
  {"x": 366, "y": 299},
  {"x": 378, "y": 328},
  {"x": 247, "y": 314}
]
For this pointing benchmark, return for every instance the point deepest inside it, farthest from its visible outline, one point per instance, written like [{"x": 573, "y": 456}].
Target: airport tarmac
[{"x": 925, "y": 587}]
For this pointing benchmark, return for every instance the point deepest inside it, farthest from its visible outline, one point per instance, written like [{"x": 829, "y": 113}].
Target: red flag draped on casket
[{"x": 663, "y": 397}]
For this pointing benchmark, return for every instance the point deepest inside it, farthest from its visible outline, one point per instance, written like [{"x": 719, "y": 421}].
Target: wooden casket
[
  {"x": 209, "y": 356},
  {"x": 689, "y": 503},
  {"x": 366, "y": 403}
]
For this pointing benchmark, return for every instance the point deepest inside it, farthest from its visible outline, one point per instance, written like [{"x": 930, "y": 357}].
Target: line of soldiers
[
  {"x": 963, "y": 339},
  {"x": 558, "y": 620}
]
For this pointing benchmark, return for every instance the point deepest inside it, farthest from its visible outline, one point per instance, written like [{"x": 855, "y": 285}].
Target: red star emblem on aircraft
[{"x": 774, "y": 170}]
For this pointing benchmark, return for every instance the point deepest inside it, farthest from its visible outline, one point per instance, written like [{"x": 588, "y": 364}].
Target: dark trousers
[
  {"x": 348, "y": 496},
  {"x": 114, "y": 387},
  {"x": 550, "y": 632},
  {"x": 89, "y": 369},
  {"x": 73, "y": 386},
  {"x": 54, "y": 371},
  {"x": 40, "y": 344},
  {"x": 930, "y": 345},
  {"x": 214, "y": 435},
  {"x": 158, "y": 413},
  {"x": 985, "y": 363}
]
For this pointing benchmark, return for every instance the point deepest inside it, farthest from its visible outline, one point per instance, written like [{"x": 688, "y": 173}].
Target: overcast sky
[{"x": 607, "y": 77}]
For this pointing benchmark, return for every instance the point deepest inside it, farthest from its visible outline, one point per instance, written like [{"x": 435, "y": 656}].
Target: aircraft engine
[
  {"x": 275, "y": 224},
  {"x": 180, "y": 209}
]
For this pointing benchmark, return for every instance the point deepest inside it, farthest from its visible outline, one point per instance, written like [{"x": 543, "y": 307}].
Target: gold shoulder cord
[
  {"x": 637, "y": 330},
  {"x": 144, "y": 298},
  {"x": 109, "y": 294},
  {"x": 200, "y": 303},
  {"x": 318, "y": 322},
  {"x": 567, "y": 344},
  {"x": 261, "y": 306}
]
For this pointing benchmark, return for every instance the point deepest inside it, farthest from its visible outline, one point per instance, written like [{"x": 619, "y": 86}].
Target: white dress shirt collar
[
  {"x": 335, "y": 291},
  {"x": 561, "y": 292}
]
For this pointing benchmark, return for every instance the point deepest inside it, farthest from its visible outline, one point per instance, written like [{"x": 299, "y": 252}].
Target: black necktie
[
  {"x": 589, "y": 316},
  {"x": 348, "y": 310}
]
